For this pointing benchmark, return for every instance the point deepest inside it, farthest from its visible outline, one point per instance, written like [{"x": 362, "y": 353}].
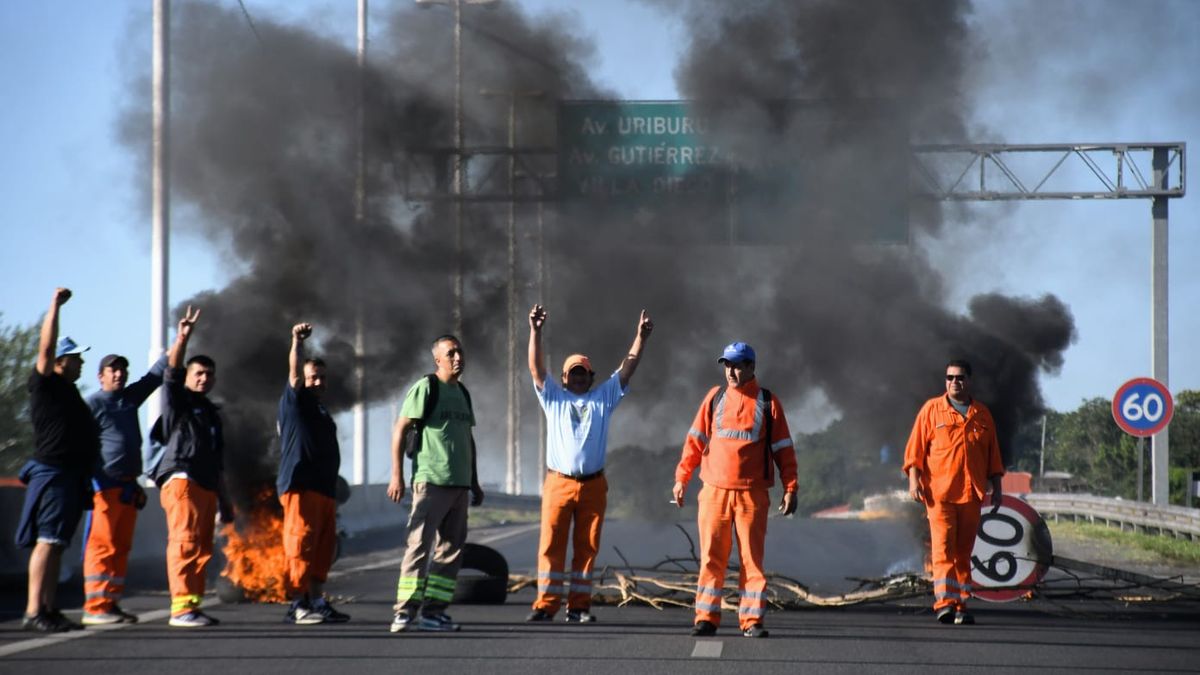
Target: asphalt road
[{"x": 900, "y": 637}]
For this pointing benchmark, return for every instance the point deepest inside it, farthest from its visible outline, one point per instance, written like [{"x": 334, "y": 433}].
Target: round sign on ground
[{"x": 1012, "y": 551}]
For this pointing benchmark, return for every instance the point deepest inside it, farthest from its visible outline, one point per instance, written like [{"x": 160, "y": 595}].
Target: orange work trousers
[
  {"x": 309, "y": 536},
  {"x": 106, "y": 553},
  {"x": 952, "y": 531},
  {"x": 565, "y": 500},
  {"x": 191, "y": 514},
  {"x": 724, "y": 514}
]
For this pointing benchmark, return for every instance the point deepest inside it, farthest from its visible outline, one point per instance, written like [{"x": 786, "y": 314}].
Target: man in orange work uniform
[
  {"x": 577, "y": 419},
  {"x": 951, "y": 455},
  {"x": 739, "y": 436},
  {"x": 118, "y": 497},
  {"x": 190, "y": 445},
  {"x": 309, "y": 459}
]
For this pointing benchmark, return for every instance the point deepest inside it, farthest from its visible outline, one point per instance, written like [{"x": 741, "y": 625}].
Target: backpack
[
  {"x": 766, "y": 413},
  {"x": 412, "y": 437}
]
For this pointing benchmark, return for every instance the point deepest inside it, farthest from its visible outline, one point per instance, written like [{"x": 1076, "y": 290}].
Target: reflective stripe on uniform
[
  {"x": 698, "y": 435},
  {"x": 752, "y": 435},
  {"x": 410, "y": 588},
  {"x": 182, "y": 603},
  {"x": 757, "y": 612},
  {"x": 779, "y": 445},
  {"x": 440, "y": 588}
]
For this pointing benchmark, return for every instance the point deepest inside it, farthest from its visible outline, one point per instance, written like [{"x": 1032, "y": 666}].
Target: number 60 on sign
[{"x": 1142, "y": 407}]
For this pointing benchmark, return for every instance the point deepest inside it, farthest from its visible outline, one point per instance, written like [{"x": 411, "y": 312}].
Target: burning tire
[{"x": 483, "y": 579}]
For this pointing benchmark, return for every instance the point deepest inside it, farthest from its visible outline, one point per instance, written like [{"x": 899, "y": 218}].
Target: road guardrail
[{"x": 1176, "y": 521}]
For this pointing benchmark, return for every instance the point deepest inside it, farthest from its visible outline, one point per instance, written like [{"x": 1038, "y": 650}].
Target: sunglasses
[{"x": 956, "y": 378}]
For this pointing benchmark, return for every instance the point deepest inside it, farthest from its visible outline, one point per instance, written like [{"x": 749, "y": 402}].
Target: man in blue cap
[
  {"x": 738, "y": 439},
  {"x": 66, "y": 446}
]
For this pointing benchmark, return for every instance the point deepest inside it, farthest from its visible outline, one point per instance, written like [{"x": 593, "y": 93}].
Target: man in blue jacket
[{"x": 117, "y": 497}]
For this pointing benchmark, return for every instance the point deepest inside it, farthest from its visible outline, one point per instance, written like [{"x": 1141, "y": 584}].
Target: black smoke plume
[{"x": 264, "y": 133}]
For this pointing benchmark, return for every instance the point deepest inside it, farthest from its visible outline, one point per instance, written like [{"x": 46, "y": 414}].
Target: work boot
[
  {"x": 42, "y": 622},
  {"x": 401, "y": 622},
  {"x": 327, "y": 612},
  {"x": 963, "y": 618},
  {"x": 538, "y": 615},
  {"x": 302, "y": 614},
  {"x": 945, "y": 615},
  {"x": 440, "y": 622},
  {"x": 57, "y": 616},
  {"x": 755, "y": 631},
  {"x": 704, "y": 629},
  {"x": 102, "y": 618},
  {"x": 579, "y": 616}
]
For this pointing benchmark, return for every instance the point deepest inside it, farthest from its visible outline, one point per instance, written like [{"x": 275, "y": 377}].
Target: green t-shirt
[{"x": 445, "y": 455}]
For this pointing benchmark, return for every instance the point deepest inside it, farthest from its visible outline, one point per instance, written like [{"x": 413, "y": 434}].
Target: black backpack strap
[
  {"x": 766, "y": 395},
  {"x": 417, "y": 431},
  {"x": 712, "y": 425}
]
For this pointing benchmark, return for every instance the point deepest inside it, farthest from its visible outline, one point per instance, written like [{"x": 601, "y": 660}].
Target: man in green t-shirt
[{"x": 444, "y": 472}]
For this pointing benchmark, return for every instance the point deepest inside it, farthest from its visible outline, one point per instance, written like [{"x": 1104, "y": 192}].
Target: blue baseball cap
[
  {"x": 737, "y": 352},
  {"x": 67, "y": 346}
]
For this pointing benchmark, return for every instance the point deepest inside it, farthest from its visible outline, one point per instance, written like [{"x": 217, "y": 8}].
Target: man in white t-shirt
[{"x": 577, "y": 418}]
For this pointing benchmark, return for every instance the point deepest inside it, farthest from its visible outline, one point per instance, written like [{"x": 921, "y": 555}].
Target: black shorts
[{"x": 58, "y": 509}]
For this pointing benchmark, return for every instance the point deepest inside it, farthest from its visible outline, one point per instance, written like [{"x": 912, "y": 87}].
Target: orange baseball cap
[{"x": 576, "y": 360}]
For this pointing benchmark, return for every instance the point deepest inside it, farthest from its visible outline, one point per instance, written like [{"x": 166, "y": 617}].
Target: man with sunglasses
[{"x": 952, "y": 455}]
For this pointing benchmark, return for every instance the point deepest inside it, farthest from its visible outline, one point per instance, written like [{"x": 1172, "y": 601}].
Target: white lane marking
[
  {"x": 26, "y": 645},
  {"x": 707, "y": 649},
  {"x": 396, "y": 560}
]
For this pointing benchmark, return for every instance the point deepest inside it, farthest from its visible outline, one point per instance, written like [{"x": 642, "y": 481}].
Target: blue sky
[{"x": 1052, "y": 72}]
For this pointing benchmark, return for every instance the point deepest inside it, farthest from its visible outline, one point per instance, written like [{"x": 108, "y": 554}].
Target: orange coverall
[
  {"x": 728, "y": 446},
  {"x": 954, "y": 458},
  {"x": 309, "y": 537},
  {"x": 110, "y": 538},
  {"x": 191, "y": 515}
]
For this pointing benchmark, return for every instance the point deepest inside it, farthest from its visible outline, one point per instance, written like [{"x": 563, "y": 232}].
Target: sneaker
[
  {"x": 126, "y": 617},
  {"x": 328, "y": 613},
  {"x": 58, "y": 617},
  {"x": 401, "y": 622},
  {"x": 42, "y": 622},
  {"x": 945, "y": 615},
  {"x": 301, "y": 614},
  {"x": 439, "y": 622},
  {"x": 704, "y": 629},
  {"x": 579, "y": 616},
  {"x": 755, "y": 631},
  {"x": 963, "y": 618},
  {"x": 193, "y": 619},
  {"x": 102, "y": 618},
  {"x": 539, "y": 615}
]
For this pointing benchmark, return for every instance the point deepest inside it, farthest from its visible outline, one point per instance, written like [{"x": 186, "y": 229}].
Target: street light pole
[
  {"x": 458, "y": 177},
  {"x": 160, "y": 212},
  {"x": 361, "y": 417},
  {"x": 512, "y": 474}
]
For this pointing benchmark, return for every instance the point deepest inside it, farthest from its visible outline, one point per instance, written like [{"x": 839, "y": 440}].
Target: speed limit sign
[
  {"x": 1012, "y": 551},
  {"x": 1142, "y": 407}
]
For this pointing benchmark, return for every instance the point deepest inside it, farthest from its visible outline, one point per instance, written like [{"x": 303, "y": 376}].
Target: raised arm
[
  {"x": 537, "y": 361},
  {"x": 630, "y": 364},
  {"x": 300, "y": 333},
  {"x": 183, "y": 333},
  {"x": 48, "y": 340}
]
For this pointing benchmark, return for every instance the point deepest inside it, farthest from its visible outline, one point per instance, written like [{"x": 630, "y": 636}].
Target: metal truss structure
[{"x": 986, "y": 172}]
